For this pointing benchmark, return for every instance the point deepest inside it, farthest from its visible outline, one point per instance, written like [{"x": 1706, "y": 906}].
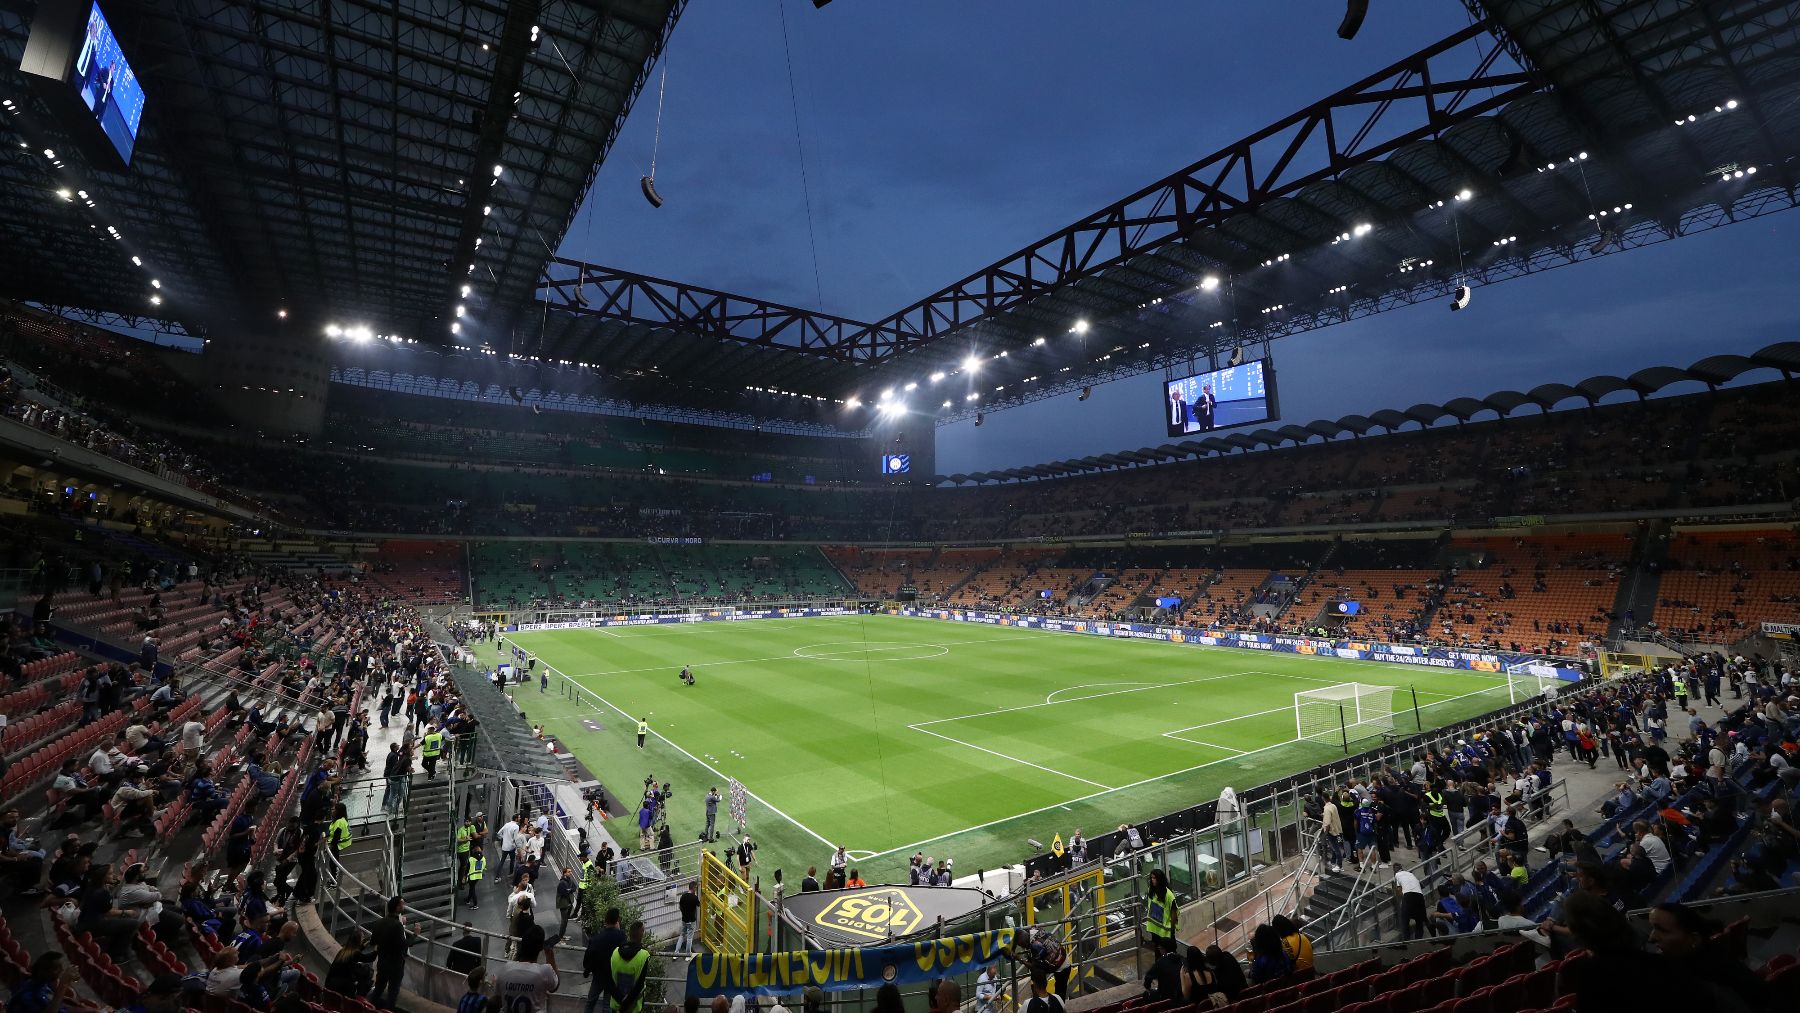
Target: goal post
[{"x": 1342, "y": 714}]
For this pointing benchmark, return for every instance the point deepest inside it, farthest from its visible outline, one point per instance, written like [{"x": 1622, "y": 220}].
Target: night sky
[{"x": 941, "y": 136}]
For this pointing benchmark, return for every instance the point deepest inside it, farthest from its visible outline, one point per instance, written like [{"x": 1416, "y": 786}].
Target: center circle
[{"x": 874, "y": 650}]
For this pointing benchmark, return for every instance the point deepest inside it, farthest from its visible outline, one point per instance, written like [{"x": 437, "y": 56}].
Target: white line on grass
[
  {"x": 1003, "y": 756},
  {"x": 778, "y": 657},
  {"x": 1142, "y": 688},
  {"x": 1122, "y": 787},
  {"x": 1225, "y": 721},
  {"x": 1050, "y": 697},
  {"x": 716, "y": 771}
]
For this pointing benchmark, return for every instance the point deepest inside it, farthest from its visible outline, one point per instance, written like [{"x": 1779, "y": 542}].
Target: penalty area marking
[
  {"x": 861, "y": 651},
  {"x": 1051, "y": 696}
]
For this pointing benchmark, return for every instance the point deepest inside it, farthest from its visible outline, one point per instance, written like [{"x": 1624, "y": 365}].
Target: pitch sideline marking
[{"x": 718, "y": 773}]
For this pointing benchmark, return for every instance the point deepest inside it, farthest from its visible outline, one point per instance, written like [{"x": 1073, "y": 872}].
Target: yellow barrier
[{"x": 726, "y": 911}]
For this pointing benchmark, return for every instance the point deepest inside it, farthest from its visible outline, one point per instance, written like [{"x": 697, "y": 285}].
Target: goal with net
[{"x": 1344, "y": 713}]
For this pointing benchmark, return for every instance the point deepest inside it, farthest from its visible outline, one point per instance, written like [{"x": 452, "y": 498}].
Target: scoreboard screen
[{"x": 77, "y": 64}]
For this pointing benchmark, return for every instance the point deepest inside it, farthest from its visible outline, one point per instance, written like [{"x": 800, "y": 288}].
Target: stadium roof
[
  {"x": 1563, "y": 136},
  {"x": 330, "y": 160},
  {"x": 335, "y": 160},
  {"x": 1713, "y": 371}
]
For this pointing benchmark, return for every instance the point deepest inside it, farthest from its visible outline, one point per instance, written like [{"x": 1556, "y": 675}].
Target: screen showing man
[
  {"x": 1221, "y": 399},
  {"x": 107, "y": 85}
]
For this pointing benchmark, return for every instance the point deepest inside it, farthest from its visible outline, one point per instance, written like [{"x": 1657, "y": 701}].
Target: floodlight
[
  {"x": 1081, "y": 327},
  {"x": 972, "y": 364}
]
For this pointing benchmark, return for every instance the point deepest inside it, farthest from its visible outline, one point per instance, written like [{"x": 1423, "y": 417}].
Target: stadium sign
[
  {"x": 1352, "y": 650},
  {"x": 1781, "y": 629},
  {"x": 843, "y": 970}
]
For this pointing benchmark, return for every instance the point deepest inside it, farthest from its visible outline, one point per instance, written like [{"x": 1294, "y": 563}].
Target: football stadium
[{"x": 546, "y": 506}]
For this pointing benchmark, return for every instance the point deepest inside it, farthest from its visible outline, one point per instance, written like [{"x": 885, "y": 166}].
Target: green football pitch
[{"x": 892, "y": 735}]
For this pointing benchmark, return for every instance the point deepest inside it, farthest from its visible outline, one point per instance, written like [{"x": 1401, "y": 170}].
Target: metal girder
[
  {"x": 1231, "y": 181},
  {"x": 605, "y": 293},
  {"x": 1753, "y": 204}
]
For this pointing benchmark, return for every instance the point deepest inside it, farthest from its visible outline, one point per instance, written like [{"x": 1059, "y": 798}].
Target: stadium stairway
[
  {"x": 1639, "y": 587},
  {"x": 427, "y": 876}
]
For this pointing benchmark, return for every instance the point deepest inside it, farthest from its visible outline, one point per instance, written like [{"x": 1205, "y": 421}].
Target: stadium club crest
[
  {"x": 1479, "y": 665},
  {"x": 873, "y": 914},
  {"x": 1304, "y": 647},
  {"x": 1177, "y": 637}
]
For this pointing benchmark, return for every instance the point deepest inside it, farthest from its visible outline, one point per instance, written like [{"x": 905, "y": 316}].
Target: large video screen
[
  {"x": 107, "y": 85},
  {"x": 1239, "y": 395},
  {"x": 896, "y": 464}
]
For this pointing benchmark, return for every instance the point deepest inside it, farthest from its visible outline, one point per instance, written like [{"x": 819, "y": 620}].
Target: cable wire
[{"x": 805, "y": 185}]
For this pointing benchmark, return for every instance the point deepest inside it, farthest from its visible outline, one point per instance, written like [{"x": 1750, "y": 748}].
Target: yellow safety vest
[
  {"x": 477, "y": 864},
  {"x": 431, "y": 745},
  {"x": 1159, "y": 918},
  {"x": 643, "y": 728},
  {"x": 587, "y": 873},
  {"x": 1435, "y": 805},
  {"x": 339, "y": 833},
  {"x": 464, "y": 834}
]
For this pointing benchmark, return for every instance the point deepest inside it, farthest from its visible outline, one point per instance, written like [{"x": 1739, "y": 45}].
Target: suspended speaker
[
  {"x": 648, "y": 183},
  {"x": 1237, "y": 356},
  {"x": 1460, "y": 300},
  {"x": 1353, "y": 19}
]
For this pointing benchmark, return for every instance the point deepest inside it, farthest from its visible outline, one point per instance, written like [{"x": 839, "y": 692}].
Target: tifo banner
[
  {"x": 1355, "y": 650},
  {"x": 711, "y": 974},
  {"x": 672, "y": 618}
]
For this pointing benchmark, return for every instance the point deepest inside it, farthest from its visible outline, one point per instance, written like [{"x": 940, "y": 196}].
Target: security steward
[
  {"x": 465, "y": 836},
  {"x": 1437, "y": 817},
  {"x": 430, "y": 748},
  {"x": 1162, "y": 912},
  {"x": 643, "y": 730},
  {"x": 477, "y": 867}
]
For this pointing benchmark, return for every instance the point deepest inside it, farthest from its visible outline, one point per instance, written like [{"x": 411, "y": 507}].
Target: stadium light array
[
  {"x": 972, "y": 364},
  {"x": 939, "y": 375},
  {"x": 947, "y": 404},
  {"x": 281, "y": 314},
  {"x": 156, "y": 300},
  {"x": 974, "y": 395},
  {"x": 853, "y": 402},
  {"x": 911, "y": 385},
  {"x": 1039, "y": 343},
  {"x": 1209, "y": 283},
  {"x": 1080, "y": 327},
  {"x": 137, "y": 261}
]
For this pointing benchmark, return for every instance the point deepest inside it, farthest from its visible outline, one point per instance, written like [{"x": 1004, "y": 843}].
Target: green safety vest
[
  {"x": 1435, "y": 805},
  {"x": 339, "y": 833},
  {"x": 587, "y": 873},
  {"x": 643, "y": 728},
  {"x": 625, "y": 974},
  {"x": 464, "y": 834},
  {"x": 431, "y": 745},
  {"x": 477, "y": 865},
  {"x": 1159, "y": 918}
]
